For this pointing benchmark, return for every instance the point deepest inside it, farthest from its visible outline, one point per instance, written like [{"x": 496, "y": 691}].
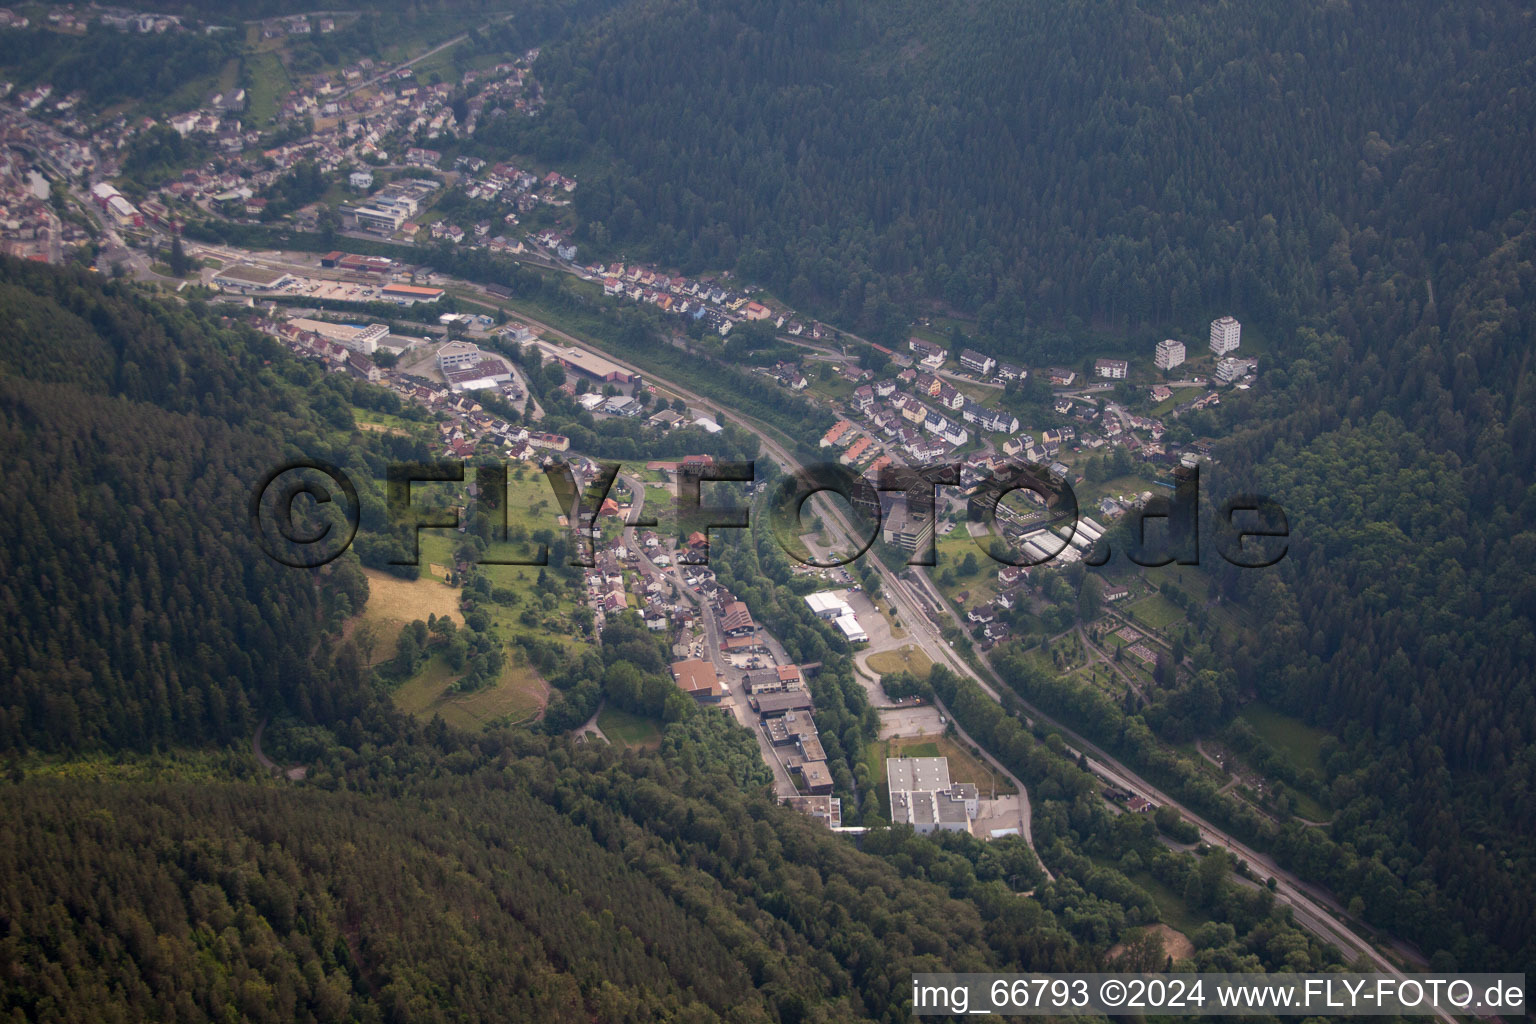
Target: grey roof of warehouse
[
  {"x": 925, "y": 773},
  {"x": 250, "y": 274},
  {"x": 776, "y": 703},
  {"x": 815, "y": 773},
  {"x": 921, "y": 792}
]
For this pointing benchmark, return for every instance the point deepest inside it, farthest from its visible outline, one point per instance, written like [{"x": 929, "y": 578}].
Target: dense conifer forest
[{"x": 1134, "y": 166}]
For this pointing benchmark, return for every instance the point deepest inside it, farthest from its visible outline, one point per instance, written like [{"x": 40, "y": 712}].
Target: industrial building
[
  {"x": 828, "y": 605},
  {"x": 359, "y": 339},
  {"x": 850, "y": 628},
  {"x": 922, "y": 795},
  {"x": 355, "y": 262},
  {"x": 589, "y": 363},
  {"x": 409, "y": 294},
  {"x": 769, "y": 704},
  {"x": 831, "y": 606},
  {"x": 246, "y": 278},
  {"x": 458, "y": 355},
  {"x": 489, "y": 372},
  {"x": 698, "y": 679}
]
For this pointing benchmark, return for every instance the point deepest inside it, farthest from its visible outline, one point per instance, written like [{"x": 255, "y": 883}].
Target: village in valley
[{"x": 371, "y": 157}]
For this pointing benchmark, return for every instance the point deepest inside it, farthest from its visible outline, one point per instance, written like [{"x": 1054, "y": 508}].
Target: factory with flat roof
[
  {"x": 589, "y": 363},
  {"x": 410, "y": 294},
  {"x": 246, "y": 277},
  {"x": 922, "y": 795},
  {"x": 828, "y": 604},
  {"x": 358, "y": 339},
  {"x": 831, "y": 606}
]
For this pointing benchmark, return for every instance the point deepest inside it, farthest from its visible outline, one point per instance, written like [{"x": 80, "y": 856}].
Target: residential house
[
  {"x": 836, "y": 435},
  {"x": 976, "y": 362},
  {"x": 928, "y": 354}
]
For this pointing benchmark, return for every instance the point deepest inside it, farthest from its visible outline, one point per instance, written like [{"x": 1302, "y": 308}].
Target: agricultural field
[
  {"x": 550, "y": 609},
  {"x": 393, "y": 602}
]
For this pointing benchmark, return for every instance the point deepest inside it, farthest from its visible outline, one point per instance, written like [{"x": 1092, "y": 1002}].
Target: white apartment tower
[
  {"x": 1226, "y": 334},
  {"x": 1170, "y": 353}
]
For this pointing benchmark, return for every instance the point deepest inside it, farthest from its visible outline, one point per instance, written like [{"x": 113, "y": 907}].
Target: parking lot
[
  {"x": 1002, "y": 812},
  {"x": 914, "y": 721}
]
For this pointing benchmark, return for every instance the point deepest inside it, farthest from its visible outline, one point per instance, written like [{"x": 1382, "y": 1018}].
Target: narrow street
[{"x": 736, "y": 699}]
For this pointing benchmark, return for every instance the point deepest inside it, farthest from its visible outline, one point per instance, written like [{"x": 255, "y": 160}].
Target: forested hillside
[
  {"x": 109, "y": 66},
  {"x": 543, "y": 884},
  {"x": 1140, "y": 165},
  {"x": 141, "y": 611}
]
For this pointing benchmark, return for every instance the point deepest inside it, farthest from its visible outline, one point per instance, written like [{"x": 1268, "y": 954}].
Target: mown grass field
[
  {"x": 552, "y": 608},
  {"x": 907, "y": 659},
  {"x": 393, "y": 602},
  {"x": 519, "y": 694},
  {"x": 1154, "y": 611},
  {"x": 627, "y": 730},
  {"x": 1293, "y": 739}
]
